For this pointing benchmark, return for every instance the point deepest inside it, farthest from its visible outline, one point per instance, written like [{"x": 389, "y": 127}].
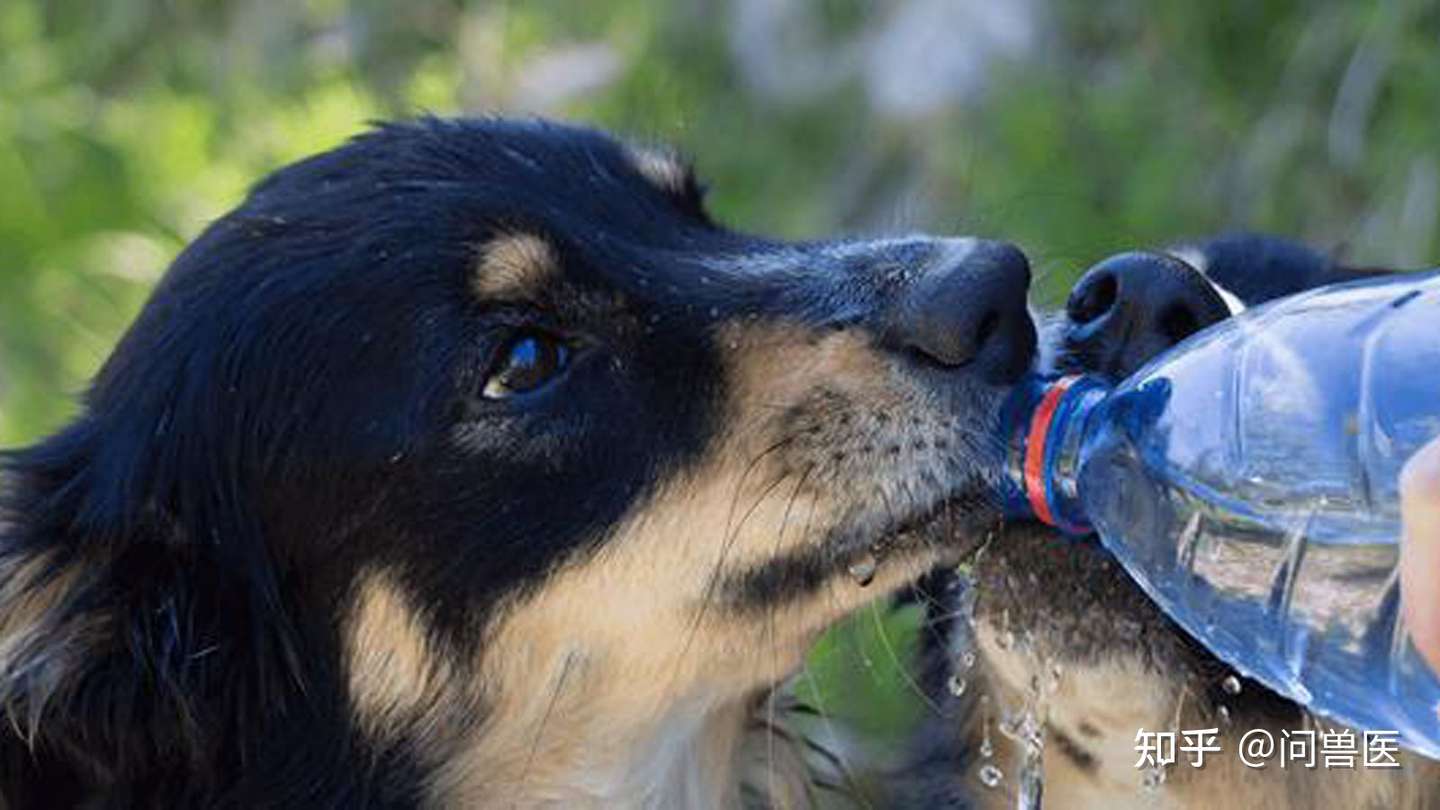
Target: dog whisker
[
  {"x": 900, "y": 666},
  {"x": 554, "y": 698},
  {"x": 718, "y": 569},
  {"x": 774, "y": 652},
  {"x": 839, "y": 759}
]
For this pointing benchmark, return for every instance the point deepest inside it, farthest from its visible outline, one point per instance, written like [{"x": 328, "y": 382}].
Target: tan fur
[
  {"x": 619, "y": 682},
  {"x": 1101, "y": 705},
  {"x": 40, "y": 647},
  {"x": 515, "y": 267},
  {"x": 660, "y": 166},
  {"x": 395, "y": 674}
]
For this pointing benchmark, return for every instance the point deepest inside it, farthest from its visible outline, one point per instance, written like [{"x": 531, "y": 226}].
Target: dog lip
[
  {"x": 961, "y": 520},
  {"x": 1085, "y": 544},
  {"x": 806, "y": 570}
]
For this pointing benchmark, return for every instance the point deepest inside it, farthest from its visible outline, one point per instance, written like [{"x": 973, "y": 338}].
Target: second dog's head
[{"x": 465, "y": 415}]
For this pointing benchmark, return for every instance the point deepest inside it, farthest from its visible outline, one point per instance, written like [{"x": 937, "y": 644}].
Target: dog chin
[
  {"x": 956, "y": 526},
  {"x": 946, "y": 533}
]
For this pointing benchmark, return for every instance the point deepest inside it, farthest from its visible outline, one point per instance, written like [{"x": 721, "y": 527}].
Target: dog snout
[
  {"x": 970, "y": 311},
  {"x": 1130, "y": 307}
]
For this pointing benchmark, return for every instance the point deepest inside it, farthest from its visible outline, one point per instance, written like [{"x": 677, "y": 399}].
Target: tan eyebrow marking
[
  {"x": 662, "y": 167},
  {"x": 515, "y": 266}
]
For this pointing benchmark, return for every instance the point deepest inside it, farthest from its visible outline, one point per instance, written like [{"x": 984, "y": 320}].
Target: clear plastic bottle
[{"x": 1248, "y": 481}]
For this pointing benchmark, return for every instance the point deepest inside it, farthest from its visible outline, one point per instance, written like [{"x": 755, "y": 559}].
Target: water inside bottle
[{"x": 1251, "y": 489}]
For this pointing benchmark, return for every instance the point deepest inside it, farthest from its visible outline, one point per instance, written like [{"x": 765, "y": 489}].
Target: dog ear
[
  {"x": 132, "y": 631},
  {"x": 1258, "y": 267}
]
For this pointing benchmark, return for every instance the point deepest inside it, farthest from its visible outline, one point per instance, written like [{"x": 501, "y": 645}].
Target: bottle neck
[{"x": 1044, "y": 425}]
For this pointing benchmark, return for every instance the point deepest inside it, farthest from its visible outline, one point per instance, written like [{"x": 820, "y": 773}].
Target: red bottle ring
[{"x": 1034, "y": 465}]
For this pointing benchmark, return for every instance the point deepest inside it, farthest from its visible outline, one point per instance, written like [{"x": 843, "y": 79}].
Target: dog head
[{"x": 467, "y": 426}]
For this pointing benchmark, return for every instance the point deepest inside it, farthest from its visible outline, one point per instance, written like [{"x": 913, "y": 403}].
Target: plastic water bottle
[{"x": 1248, "y": 481}]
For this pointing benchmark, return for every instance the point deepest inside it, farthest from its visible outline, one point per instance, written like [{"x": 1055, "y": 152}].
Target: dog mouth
[
  {"x": 1085, "y": 544},
  {"x": 954, "y": 519},
  {"x": 952, "y": 530},
  {"x": 944, "y": 532},
  {"x": 927, "y": 511}
]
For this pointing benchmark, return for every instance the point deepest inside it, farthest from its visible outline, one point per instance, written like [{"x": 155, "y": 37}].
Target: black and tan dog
[
  {"x": 1061, "y": 636},
  {"x": 472, "y": 464}
]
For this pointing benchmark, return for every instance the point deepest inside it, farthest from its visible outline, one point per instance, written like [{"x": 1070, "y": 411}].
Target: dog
[
  {"x": 473, "y": 464},
  {"x": 1048, "y": 661}
]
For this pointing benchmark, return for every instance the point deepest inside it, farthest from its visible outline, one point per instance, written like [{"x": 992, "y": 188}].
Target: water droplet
[
  {"x": 967, "y": 660},
  {"x": 862, "y": 570},
  {"x": 1153, "y": 778},
  {"x": 987, "y": 748},
  {"x": 990, "y": 775},
  {"x": 1031, "y": 795},
  {"x": 1224, "y": 712},
  {"x": 956, "y": 685},
  {"x": 1231, "y": 685}
]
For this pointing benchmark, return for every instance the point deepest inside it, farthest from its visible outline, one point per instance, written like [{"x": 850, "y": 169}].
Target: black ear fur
[
  {"x": 149, "y": 622},
  {"x": 136, "y": 629},
  {"x": 1258, "y": 267}
]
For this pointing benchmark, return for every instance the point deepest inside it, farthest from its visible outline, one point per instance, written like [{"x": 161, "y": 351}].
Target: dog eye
[{"x": 526, "y": 363}]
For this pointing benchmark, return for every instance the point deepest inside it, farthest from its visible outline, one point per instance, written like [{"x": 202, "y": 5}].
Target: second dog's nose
[
  {"x": 1130, "y": 307},
  {"x": 971, "y": 311}
]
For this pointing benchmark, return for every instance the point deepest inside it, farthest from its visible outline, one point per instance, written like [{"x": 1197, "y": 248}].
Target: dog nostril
[
  {"x": 1093, "y": 299},
  {"x": 988, "y": 324},
  {"x": 1177, "y": 322}
]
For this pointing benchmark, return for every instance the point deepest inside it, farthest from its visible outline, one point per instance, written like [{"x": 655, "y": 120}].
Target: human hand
[{"x": 1420, "y": 550}]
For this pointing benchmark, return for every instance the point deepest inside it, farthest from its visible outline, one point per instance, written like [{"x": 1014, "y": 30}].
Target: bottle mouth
[
  {"x": 1035, "y": 463},
  {"x": 1041, "y": 443}
]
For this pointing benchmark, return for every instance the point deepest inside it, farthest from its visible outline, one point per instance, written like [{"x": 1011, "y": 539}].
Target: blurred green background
[{"x": 1075, "y": 128}]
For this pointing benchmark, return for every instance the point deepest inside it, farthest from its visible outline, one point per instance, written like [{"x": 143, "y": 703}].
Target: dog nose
[
  {"x": 971, "y": 311},
  {"x": 1132, "y": 306}
]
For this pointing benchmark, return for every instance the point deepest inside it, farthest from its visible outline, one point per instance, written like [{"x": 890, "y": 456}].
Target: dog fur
[{"x": 315, "y": 539}]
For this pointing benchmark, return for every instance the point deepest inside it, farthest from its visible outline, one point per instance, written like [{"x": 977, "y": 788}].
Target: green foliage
[{"x": 860, "y": 672}]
